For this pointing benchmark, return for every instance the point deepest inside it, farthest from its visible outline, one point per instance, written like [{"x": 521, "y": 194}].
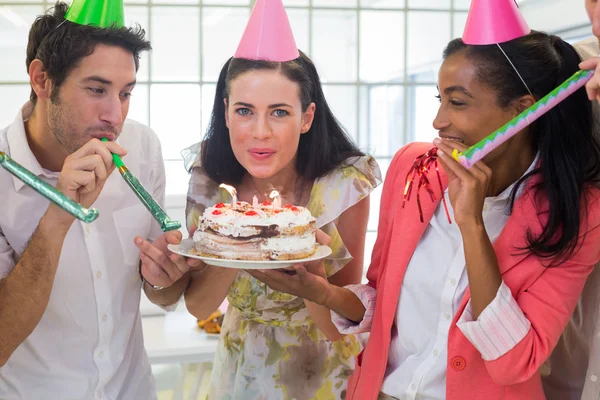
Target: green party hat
[{"x": 98, "y": 13}]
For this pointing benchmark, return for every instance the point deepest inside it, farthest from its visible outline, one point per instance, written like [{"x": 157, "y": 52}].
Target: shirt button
[
  {"x": 436, "y": 353},
  {"x": 485, "y": 207},
  {"x": 98, "y": 275},
  {"x": 447, "y": 315},
  {"x": 453, "y": 281},
  {"x": 413, "y": 386},
  {"x": 105, "y": 318},
  {"x": 99, "y": 394},
  {"x": 100, "y": 354},
  {"x": 594, "y": 378}
]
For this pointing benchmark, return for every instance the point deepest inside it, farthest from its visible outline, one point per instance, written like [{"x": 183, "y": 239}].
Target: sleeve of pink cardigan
[
  {"x": 499, "y": 328},
  {"x": 548, "y": 304},
  {"x": 368, "y": 293}
]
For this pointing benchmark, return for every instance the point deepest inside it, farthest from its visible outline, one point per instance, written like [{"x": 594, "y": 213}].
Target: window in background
[
  {"x": 378, "y": 60},
  {"x": 15, "y": 21}
]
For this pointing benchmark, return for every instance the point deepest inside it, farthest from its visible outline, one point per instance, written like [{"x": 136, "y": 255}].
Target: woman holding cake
[
  {"x": 271, "y": 128},
  {"x": 471, "y": 310}
]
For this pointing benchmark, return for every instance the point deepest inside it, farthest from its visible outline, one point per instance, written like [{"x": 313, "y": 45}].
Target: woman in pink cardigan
[{"x": 471, "y": 310}]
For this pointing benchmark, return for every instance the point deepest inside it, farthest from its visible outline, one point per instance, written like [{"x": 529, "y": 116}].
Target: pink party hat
[
  {"x": 268, "y": 35},
  {"x": 494, "y": 21}
]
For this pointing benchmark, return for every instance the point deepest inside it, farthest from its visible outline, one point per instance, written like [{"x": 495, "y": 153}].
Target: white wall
[
  {"x": 554, "y": 15},
  {"x": 175, "y": 208}
]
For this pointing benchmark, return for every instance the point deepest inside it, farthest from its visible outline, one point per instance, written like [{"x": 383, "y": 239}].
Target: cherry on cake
[{"x": 263, "y": 232}]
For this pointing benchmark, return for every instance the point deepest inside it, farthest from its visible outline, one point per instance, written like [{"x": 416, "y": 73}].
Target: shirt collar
[{"x": 19, "y": 149}]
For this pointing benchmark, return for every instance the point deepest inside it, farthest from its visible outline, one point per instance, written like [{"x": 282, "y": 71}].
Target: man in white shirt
[
  {"x": 70, "y": 325},
  {"x": 573, "y": 370}
]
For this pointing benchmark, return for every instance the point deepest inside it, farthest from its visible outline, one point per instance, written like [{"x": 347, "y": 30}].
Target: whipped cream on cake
[{"x": 263, "y": 232}]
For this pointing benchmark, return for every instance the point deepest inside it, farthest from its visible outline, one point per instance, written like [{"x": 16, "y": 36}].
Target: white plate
[{"x": 184, "y": 247}]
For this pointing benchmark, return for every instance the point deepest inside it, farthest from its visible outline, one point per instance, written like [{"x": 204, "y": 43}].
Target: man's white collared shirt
[{"x": 89, "y": 343}]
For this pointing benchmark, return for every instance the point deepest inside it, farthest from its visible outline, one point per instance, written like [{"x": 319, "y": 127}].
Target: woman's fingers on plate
[{"x": 323, "y": 238}]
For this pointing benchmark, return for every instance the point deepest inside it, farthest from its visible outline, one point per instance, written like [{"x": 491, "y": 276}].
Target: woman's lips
[{"x": 261, "y": 154}]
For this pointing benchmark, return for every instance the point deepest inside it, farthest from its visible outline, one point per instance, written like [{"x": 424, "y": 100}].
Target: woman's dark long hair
[
  {"x": 564, "y": 137},
  {"x": 324, "y": 147}
]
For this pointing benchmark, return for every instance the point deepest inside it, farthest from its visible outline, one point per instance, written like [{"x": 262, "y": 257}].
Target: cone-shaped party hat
[
  {"x": 268, "y": 35},
  {"x": 494, "y": 21},
  {"x": 98, "y": 13}
]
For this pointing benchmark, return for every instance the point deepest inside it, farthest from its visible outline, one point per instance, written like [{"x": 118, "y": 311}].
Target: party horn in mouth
[
  {"x": 49, "y": 192},
  {"x": 166, "y": 223},
  {"x": 476, "y": 152}
]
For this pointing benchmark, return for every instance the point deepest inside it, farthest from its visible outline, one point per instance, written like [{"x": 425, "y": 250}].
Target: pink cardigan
[{"x": 547, "y": 296}]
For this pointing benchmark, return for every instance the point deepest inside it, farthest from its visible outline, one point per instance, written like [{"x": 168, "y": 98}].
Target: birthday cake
[{"x": 242, "y": 231}]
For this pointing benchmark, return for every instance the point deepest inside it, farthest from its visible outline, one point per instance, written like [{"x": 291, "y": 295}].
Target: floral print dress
[{"x": 270, "y": 348}]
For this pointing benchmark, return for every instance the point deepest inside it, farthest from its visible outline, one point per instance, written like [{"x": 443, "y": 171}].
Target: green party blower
[
  {"x": 49, "y": 192},
  {"x": 166, "y": 224}
]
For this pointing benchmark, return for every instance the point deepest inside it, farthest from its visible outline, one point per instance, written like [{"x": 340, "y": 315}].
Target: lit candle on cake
[
  {"x": 231, "y": 191},
  {"x": 276, "y": 199},
  {"x": 254, "y": 202}
]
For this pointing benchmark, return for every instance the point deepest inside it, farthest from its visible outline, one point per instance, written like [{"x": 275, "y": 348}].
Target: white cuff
[
  {"x": 367, "y": 295},
  {"x": 499, "y": 328}
]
